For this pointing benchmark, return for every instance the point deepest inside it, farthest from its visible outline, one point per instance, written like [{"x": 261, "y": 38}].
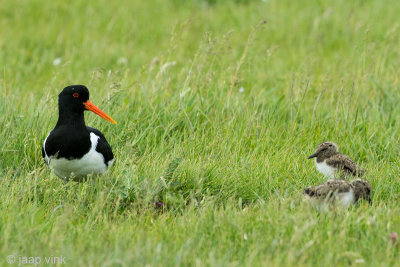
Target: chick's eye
[{"x": 75, "y": 95}]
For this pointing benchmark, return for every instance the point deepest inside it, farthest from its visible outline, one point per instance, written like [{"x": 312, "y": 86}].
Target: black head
[
  {"x": 325, "y": 150},
  {"x": 72, "y": 98}
]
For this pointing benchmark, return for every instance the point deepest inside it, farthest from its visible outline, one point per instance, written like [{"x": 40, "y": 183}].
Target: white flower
[
  {"x": 57, "y": 61},
  {"x": 241, "y": 89}
]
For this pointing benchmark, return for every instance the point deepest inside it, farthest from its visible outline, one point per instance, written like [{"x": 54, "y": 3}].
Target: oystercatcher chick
[
  {"x": 333, "y": 164},
  {"x": 73, "y": 150},
  {"x": 341, "y": 191}
]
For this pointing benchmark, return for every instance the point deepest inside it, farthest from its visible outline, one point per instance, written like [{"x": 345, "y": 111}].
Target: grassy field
[{"x": 218, "y": 105}]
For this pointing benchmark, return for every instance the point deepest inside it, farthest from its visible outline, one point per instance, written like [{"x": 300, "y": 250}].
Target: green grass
[{"x": 229, "y": 163}]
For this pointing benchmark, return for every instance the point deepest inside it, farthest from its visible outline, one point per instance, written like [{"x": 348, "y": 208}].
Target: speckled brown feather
[
  {"x": 345, "y": 164},
  {"x": 328, "y": 188},
  {"x": 362, "y": 189}
]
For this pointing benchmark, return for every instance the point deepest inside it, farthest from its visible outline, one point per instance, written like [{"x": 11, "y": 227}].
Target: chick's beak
[
  {"x": 90, "y": 106},
  {"x": 312, "y": 156}
]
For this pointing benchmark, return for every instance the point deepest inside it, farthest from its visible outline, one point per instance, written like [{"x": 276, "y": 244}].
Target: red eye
[{"x": 76, "y": 95}]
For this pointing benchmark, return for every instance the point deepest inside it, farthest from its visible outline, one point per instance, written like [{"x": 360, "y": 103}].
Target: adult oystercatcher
[{"x": 73, "y": 150}]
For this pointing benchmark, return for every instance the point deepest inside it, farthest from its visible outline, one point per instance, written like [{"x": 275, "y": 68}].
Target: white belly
[
  {"x": 343, "y": 200},
  {"x": 346, "y": 199},
  {"x": 326, "y": 170},
  {"x": 91, "y": 163}
]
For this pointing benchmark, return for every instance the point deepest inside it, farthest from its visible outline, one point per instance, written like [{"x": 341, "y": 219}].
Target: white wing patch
[
  {"x": 91, "y": 163},
  {"x": 46, "y": 158}
]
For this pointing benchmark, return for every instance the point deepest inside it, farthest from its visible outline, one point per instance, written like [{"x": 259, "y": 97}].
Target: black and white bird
[{"x": 71, "y": 149}]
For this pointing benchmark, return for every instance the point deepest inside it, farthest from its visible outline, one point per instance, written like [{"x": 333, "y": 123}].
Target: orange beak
[{"x": 90, "y": 106}]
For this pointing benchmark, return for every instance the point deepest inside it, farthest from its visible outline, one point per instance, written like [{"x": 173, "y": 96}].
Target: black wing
[{"x": 102, "y": 145}]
